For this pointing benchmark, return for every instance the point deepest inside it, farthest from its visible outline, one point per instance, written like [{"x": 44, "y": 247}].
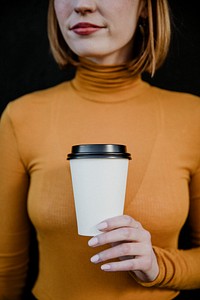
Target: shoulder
[
  {"x": 178, "y": 115},
  {"x": 177, "y": 105},
  {"x": 176, "y": 98},
  {"x": 40, "y": 97},
  {"x": 36, "y": 103}
]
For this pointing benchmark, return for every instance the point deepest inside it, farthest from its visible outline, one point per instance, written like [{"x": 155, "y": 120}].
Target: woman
[{"x": 136, "y": 255}]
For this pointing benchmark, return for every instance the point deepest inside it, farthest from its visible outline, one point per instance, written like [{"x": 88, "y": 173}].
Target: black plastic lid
[{"x": 98, "y": 151}]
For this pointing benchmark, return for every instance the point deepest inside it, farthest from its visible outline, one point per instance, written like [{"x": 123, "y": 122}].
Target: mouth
[{"x": 85, "y": 28}]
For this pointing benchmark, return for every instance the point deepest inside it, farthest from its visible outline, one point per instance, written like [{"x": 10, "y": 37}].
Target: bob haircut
[{"x": 151, "y": 41}]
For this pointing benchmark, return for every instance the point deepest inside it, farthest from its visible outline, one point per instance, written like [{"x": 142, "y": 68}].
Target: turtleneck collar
[{"x": 106, "y": 83}]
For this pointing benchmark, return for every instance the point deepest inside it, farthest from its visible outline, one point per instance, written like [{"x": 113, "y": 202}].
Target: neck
[{"x": 110, "y": 83}]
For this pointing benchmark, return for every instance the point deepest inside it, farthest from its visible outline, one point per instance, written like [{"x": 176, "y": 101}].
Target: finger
[
  {"x": 117, "y": 222},
  {"x": 124, "y": 251},
  {"x": 133, "y": 264},
  {"x": 125, "y": 265},
  {"x": 116, "y": 236},
  {"x": 115, "y": 244},
  {"x": 121, "y": 234}
]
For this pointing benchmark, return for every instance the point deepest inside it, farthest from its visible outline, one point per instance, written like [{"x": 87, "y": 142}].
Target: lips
[{"x": 85, "y": 28}]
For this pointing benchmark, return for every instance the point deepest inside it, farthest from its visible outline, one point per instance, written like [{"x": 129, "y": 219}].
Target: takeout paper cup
[{"x": 99, "y": 175}]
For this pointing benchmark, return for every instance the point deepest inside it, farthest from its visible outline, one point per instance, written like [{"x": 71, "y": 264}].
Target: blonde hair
[{"x": 152, "y": 39}]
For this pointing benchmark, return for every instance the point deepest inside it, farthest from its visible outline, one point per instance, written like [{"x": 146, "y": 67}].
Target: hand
[{"x": 130, "y": 243}]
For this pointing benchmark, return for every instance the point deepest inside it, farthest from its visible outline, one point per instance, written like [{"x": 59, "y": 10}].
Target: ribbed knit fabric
[{"x": 101, "y": 105}]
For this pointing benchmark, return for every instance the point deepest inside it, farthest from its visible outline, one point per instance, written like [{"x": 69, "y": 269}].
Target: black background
[{"x": 26, "y": 63}]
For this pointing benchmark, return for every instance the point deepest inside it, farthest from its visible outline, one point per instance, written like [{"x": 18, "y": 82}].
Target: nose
[{"x": 85, "y": 6}]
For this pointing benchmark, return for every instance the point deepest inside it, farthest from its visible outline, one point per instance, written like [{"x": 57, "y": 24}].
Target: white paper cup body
[{"x": 99, "y": 187}]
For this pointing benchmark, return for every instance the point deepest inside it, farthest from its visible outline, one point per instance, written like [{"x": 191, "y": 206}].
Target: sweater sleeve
[
  {"x": 180, "y": 269},
  {"x": 14, "y": 222}
]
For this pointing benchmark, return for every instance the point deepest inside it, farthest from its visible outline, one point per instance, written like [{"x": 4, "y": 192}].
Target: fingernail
[
  {"x": 102, "y": 226},
  {"x": 95, "y": 258},
  {"x": 105, "y": 267},
  {"x": 93, "y": 241}
]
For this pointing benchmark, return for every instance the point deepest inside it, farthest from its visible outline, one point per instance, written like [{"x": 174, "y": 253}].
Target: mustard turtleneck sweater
[{"x": 101, "y": 105}]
